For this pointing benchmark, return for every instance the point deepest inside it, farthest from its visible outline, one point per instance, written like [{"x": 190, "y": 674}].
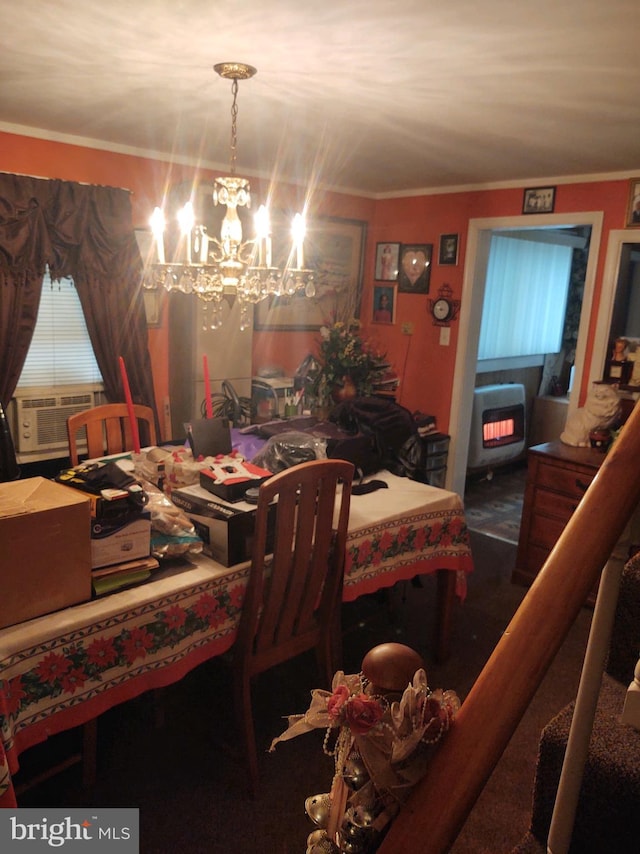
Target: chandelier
[{"x": 216, "y": 267}]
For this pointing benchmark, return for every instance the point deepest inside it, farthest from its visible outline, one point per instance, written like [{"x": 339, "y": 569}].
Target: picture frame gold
[
  {"x": 334, "y": 250},
  {"x": 633, "y": 205},
  {"x": 152, "y": 299}
]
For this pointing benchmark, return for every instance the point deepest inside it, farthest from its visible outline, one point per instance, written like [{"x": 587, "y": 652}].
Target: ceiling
[{"x": 371, "y": 96}]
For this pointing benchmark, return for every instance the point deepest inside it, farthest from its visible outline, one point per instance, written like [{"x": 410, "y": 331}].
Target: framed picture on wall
[
  {"x": 152, "y": 298},
  {"x": 415, "y": 268},
  {"x": 387, "y": 259},
  {"x": 539, "y": 200},
  {"x": 334, "y": 250},
  {"x": 384, "y": 304},
  {"x": 448, "y": 253},
  {"x": 633, "y": 208}
]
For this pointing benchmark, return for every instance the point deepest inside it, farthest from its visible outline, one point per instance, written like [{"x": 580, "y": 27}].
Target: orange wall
[{"x": 425, "y": 367}]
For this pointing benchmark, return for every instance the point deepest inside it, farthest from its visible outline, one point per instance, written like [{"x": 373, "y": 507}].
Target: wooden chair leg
[
  {"x": 446, "y": 596},
  {"x": 244, "y": 716}
]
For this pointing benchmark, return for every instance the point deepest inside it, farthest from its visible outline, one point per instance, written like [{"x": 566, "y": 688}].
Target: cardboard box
[
  {"x": 45, "y": 559},
  {"x": 121, "y": 540},
  {"x": 226, "y": 479},
  {"x": 225, "y": 529}
]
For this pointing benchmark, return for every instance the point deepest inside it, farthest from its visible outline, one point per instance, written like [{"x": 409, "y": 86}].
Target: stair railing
[{"x": 440, "y": 804}]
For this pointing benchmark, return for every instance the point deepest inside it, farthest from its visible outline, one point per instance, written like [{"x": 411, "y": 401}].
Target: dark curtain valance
[{"x": 86, "y": 233}]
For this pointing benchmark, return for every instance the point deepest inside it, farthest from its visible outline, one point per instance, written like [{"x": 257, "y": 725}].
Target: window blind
[
  {"x": 61, "y": 351},
  {"x": 525, "y": 298}
]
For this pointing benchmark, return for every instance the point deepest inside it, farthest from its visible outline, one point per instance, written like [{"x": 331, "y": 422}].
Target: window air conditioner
[{"x": 40, "y": 415}]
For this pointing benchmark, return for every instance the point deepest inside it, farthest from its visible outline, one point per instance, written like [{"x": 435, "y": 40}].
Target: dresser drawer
[
  {"x": 544, "y": 530},
  {"x": 536, "y": 556},
  {"x": 555, "y": 504},
  {"x": 564, "y": 480}
]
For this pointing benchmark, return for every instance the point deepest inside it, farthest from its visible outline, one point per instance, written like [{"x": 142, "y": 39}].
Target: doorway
[{"x": 478, "y": 246}]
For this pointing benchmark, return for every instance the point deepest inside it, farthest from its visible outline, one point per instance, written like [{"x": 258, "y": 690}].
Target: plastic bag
[
  {"x": 289, "y": 449},
  {"x": 172, "y": 532}
]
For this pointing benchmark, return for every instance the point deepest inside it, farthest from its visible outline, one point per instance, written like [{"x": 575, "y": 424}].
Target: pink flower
[
  {"x": 336, "y": 702},
  {"x": 362, "y": 713}
]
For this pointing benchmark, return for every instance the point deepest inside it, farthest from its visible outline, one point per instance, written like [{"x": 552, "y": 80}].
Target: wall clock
[{"x": 444, "y": 308}]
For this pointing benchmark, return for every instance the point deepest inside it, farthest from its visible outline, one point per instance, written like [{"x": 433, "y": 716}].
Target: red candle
[
  {"x": 133, "y": 421},
  {"x": 207, "y": 390}
]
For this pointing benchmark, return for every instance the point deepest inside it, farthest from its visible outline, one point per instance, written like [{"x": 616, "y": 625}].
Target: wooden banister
[{"x": 440, "y": 804}]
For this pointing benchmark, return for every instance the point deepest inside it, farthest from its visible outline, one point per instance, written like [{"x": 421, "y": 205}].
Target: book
[
  {"x": 110, "y": 579},
  {"x": 127, "y": 566},
  {"x": 113, "y": 583}
]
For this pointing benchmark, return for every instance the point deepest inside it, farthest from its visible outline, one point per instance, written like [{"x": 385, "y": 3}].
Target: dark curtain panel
[{"x": 84, "y": 232}]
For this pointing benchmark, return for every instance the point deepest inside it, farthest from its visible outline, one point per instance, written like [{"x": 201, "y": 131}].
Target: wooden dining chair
[
  {"x": 108, "y": 429},
  {"x": 294, "y": 593}
]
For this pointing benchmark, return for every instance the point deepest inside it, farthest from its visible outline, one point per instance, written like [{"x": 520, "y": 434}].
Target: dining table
[{"x": 61, "y": 670}]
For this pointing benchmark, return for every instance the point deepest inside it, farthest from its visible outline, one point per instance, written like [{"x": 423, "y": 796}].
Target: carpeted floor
[
  {"x": 190, "y": 787},
  {"x": 493, "y": 505}
]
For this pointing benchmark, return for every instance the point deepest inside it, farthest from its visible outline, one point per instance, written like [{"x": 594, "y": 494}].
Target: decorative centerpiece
[
  {"x": 382, "y": 725},
  {"x": 347, "y": 364}
]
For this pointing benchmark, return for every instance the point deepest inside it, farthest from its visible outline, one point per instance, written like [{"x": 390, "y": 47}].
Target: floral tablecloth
[{"x": 61, "y": 670}]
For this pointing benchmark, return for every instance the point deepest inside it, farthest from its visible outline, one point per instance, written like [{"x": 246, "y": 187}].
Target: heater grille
[{"x": 497, "y": 425}]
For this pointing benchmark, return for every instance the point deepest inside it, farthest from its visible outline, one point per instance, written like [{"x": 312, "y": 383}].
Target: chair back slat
[
  {"x": 293, "y": 597},
  {"x": 108, "y": 429},
  {"x": 287, "y": 594}
]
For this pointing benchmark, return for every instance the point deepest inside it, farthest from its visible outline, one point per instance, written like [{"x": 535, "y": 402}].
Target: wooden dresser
[{"x": 557, "y": 477}]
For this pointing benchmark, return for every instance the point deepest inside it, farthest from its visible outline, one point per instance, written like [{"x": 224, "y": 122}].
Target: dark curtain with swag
[{"x": 84, "y": 232}]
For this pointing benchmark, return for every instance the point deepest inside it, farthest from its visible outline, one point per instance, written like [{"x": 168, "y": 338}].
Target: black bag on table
[{"x": 390, "y": 425}]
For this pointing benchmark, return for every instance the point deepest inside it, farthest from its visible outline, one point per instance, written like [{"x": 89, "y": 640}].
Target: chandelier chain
[{"x": 234, "y": 127}]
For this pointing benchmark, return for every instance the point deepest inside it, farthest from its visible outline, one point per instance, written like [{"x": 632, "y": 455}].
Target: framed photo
[
  {"x": 152, "y": 306},
  {"x": 415, "y": 268},
  {"x": 152, "y": 299},
  {"x": 387, "y": 259},
  {"x": 384, "y": 304},
  {"x": 539, "y": 200},
  {"x": 334, "y": 250},
  {"x": 448, "y": 252},
  {"x": 633, "y": 209}
]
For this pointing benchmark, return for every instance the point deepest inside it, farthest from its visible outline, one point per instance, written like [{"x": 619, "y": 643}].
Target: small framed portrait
[
  {"x": 633, "y": 208},
  {"x": 384, "y": 304},
  {"x": 448, "y": 252},
  {"x": 415, "y": 268},
  {"x": 387, "y": 258},
  {"x": 153, "y": 307},
  {"x": 539, "y": 200}
]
